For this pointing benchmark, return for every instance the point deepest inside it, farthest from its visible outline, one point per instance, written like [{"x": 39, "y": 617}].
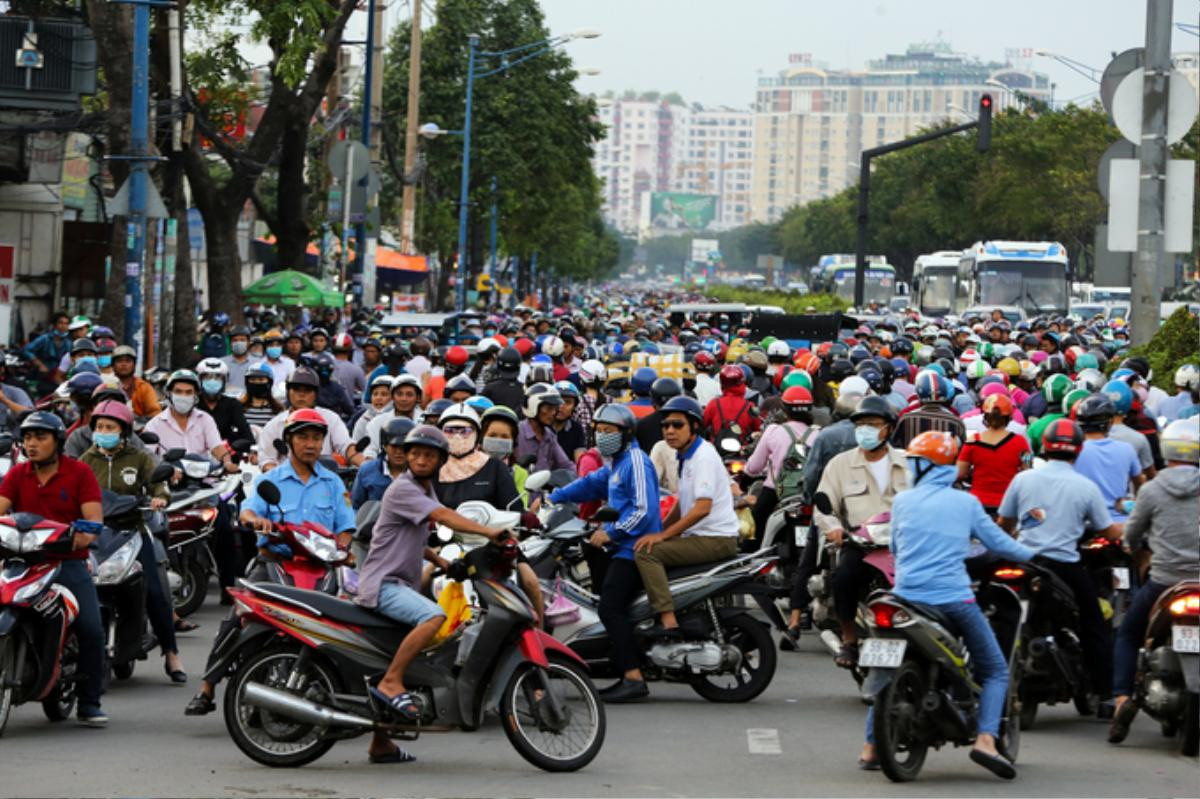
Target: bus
[
  {"x": 837, "y": 277},
  {"x": 1032, "y": 275},
  {"x": 935, "y": 282}
]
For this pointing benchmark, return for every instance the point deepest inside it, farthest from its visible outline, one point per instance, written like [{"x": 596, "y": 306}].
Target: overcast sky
[{"x": 712, "y": 51}]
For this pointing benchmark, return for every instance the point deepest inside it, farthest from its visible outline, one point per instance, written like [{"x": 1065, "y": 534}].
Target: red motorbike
[{"x": 38, "y": 651}]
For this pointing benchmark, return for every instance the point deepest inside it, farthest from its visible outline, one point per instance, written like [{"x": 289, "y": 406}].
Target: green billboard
[{"x": 670, "y": 210}]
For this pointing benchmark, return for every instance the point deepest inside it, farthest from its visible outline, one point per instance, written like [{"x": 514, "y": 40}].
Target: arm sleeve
[
  {"x": 358, "y": 491},
  {"x": 147, "y": 465},
  {"x": 591, "y": 487},
  {"x": 8, "y": 488},
  {"x": 1138, "y": 523},
  {"x": 757, "y": 463},
  {"x": 343, "y": 517},
  {"x": 254, "y": 502},
  {"x": 640, "y": 473},
  {"x": 1135, "y": 463},
  {"x": 89, "y": 487},
  {"x": 339, "y": 437},
  {"x": 995, "y": 539},
  {"x": 267, "y": 454},
  {"x": 826, "y": 522},
  {"x": 814, "y": 466}
]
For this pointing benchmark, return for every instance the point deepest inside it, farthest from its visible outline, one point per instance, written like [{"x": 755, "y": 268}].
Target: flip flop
[
  {"x": 403, "y": 705},
  {"x": 397, "y": 755},
  {"x": 996, "y": 764},
  {"x": 847, "y": 656},
  {"x": 868, "y": 765},
  {"x": 185, "y": 626}
]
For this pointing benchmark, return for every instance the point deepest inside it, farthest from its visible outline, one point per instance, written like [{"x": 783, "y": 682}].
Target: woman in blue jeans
[{"x": 932, "y": 528}]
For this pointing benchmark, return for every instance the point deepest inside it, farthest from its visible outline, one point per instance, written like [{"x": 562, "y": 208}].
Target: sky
[{"x": 712, "y": 52}]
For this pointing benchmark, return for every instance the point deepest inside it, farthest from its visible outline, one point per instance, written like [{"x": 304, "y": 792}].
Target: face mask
[
  {"x": 609, "y": 444},
  {"x": 105, "y": 361},
  {"x": 239, "y": 347},
  {"x": 867, "y": 437},
  {"x": 497, "y": 447},
  {"x": 274, "y": 352},
  {"x": 106, "y": 440},
  {"x": 462, "y": 445},
  {"x": 87, "y": 359},
  {"x": 258, "y": 389},
  {"x": 183, "y": 403},
  {"x": 212, "y": 387}
]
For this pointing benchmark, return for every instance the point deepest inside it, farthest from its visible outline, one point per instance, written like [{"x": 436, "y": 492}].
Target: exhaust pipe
[
  {"x": 832, "y": 641},
  {"x": 293, "y": 707}
]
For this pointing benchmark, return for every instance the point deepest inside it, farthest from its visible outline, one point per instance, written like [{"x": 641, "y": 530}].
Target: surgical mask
[
  {"x": 183, "y": 403},
  {"x": 609, "y": 444},
  {"x": 105, "y": 361},
  {"x": 239, "y": 347},
  {"x": 87, "y": 359},
  {"x": 497, "y": 447},
  {"x": 867, "y": 437},
  {"x": 274, "y": 352},
  {"x": 106, "y": 440},
  {"x": 212, "y": 387},
  {"x": 463, "y": 445}
]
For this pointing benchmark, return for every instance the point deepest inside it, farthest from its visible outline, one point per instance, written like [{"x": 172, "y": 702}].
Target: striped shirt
[
  {"x": 926, "y": 417},
  {"x": 259, "y": 415}
]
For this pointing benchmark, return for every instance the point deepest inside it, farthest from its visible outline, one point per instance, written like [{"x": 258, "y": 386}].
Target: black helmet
[
  {"x": 1055, "y": 365},
  {"x": 840, "y": 369},
  {"x": 902, "y": 346},
  {"x": 1062, "y": 438},
  {"x": 44, "y": 420},
  {"x": 303, "y": 376},
  {"x": 435, "y": 409},
  {"x": 508, "y": 362},
  {"x": 869, "y": 371},
  {"x": 663, "y": 389},
  {"x": 685, "y": 405},
  {"x": 1094, "y": 412},
  {"x": 395, "y": 431},
  {"x": 426, "y": 435},
  {"x": 460, "y": 383},
  {"x": 874, "y": 406},
  {"x": 239, "y": 330},
  {"x": 84, "y": 344}
]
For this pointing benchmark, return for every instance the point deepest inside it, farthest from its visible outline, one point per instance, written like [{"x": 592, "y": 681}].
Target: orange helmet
[
  {"x": 1001, "y": 404},
  {"x": 936, "y": 446},
  {"x": 808, "y": 362}
]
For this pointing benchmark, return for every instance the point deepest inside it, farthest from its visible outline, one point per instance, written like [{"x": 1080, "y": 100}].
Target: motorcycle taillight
[
  {"x": 1186, "y": 605},
  {"x": 887, "y": 615},
  {"x": 1009, "y": 573}
]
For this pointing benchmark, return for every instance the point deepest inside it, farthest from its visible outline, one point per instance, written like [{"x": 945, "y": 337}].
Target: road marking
[{"x": 763, "y": 741}]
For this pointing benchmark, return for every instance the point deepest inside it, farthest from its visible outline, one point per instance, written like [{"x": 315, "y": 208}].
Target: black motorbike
[{"x": 1168, "y": 676}]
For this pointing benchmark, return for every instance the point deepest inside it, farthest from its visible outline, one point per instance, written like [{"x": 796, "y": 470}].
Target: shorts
[{"x": 404, "y": 605}]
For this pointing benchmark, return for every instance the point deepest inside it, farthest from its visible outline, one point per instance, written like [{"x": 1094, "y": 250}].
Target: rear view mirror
[
  {"x": 242, "y": 445},
  {"x": 362, "y": 444},
  {"x": 148, "y": 438},
  {"x": 161, "y": 473},
  {"x": 174, "y": 454},
  {"x": 6, "y": 443},
  {"x": 821, "y": 500},
  {"x": 606, "y": 514},
  {"x": 269, "y": 492},
  {"x": 538, "y": 480}
]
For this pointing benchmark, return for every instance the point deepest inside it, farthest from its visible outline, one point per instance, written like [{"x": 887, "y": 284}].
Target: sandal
[
  {"x": 397, "y": 755},
  {"x": 185, "y": 626},
  {"x": 403, "y": 705},
  {"x": 847, "y": 656},
  {"x": 201, "y": 705}
]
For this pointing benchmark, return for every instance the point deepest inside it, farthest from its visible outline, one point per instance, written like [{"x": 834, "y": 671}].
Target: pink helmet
[
  {"x": 111, "y": 409},
  {"x": 992, "y": 388},
  {"x": 1037, "y": 356}
]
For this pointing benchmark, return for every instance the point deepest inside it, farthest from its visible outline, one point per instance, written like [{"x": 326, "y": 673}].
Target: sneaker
[
  {"x": 91, "y": 717},
  {"x": 789, "y": 641},
  {"x": 628, "y": 691},
  {"x": 1122, "y": 718}
]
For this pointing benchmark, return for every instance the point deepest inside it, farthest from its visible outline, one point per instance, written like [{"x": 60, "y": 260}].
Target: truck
[{"x": 1032, "y": 275}]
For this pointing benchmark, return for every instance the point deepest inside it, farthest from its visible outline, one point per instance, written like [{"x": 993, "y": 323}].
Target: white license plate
[
  {"x": 1120, "y": 578},
  {"x": 882, "y": 653},
  {"x": 801, "y": 535},
  {"x": 1185, "y": 638}
]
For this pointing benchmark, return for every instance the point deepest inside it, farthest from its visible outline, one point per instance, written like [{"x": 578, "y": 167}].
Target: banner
[
  {"x": 408, "y": 302},
  {"x": 671, "y": 210}
]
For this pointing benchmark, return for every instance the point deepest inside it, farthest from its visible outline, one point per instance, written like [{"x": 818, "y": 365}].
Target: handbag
[{"x": 561, "y": 610}]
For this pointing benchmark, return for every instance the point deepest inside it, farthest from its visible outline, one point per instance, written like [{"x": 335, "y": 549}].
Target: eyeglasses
[
  {"x": 458, "y": 430},
  {"x": 673, "y": 424}
]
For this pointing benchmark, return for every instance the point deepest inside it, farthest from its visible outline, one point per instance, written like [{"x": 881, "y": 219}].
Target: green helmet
[
  {"x": 987, "y": 350},
  {"x": 1055, "y": 388},
  {"x": 1073, "y": 396},
  {"x": 977, "y": 369},
  {"x": 796, "y": 377}
]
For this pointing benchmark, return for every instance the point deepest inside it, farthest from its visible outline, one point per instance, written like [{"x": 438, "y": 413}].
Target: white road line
[{"x": 763, "y": 741}]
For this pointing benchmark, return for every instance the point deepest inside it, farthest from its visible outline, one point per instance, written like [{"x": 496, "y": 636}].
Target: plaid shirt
[
  {"x": 585, "y": 409},
  {"x": 926, "y": 417}
]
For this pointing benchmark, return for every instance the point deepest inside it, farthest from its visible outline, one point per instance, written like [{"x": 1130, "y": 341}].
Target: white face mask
[
  {"x": 183, "y": 403},
  {"x": 462, "y": 445}
]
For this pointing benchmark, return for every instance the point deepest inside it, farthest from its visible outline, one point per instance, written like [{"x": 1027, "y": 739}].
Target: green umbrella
[{"x": 291, "y": 288}]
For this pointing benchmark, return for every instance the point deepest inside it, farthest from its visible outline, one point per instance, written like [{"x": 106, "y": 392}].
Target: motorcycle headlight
[
  {"x": 27, "y": 593},
  {"x": 881, "y": 534},
  {"x": 197, "y": 470},
  {"x": 115, "y": 568}
]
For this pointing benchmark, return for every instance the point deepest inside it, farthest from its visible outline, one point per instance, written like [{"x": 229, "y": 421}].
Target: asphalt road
[{"x": 801, "y": 737}]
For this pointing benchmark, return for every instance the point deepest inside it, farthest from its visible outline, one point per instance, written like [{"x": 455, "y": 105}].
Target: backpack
[
  {"x": 789, "y": 481},
  {"x": 729, "y": 428}
]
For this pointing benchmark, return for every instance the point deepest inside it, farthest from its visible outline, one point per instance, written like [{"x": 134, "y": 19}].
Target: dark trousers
[
  {"x": 597, "y": 560},
  {"x": 849, "y": 579},
  {"x": 800, "y": 598},
  {"x": 1094, "y": 631},
  {"x": 622, "y": 585},
  {"x": 1131, "y": 635},
  {"x": 227, "y": 548},
  {"x": 761, "y": 511},
  {"x": 158, "y": 604},
  {"x": 89, "y": 632}
]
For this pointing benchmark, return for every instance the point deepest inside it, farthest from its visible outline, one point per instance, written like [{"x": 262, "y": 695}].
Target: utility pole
[
  {"x": 1152, "y": 187},
  {"x": 372, "y": 138},
  {"x": 408, "y": 213}
]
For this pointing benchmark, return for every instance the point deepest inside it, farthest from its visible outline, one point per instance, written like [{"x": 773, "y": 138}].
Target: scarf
[{"x": 458, "y": 469}]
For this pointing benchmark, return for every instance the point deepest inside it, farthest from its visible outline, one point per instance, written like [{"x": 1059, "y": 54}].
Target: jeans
[
  {"x": 987, "y": 664},
  {"x": 158, "y": 605},
  {"x": 1094, "y": 632},
  {"x": 1131, "y": 635},
  {"x": 622, "y": 585},
  {"x": 405, "y": 605},
  {"x": 89, "y": 632},
  {"x": 225, "y": 547}
]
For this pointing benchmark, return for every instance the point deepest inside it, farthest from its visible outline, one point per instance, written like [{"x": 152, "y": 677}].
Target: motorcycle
[
  {"x": 308, "y": 659},
  {"x": 1167, "y": 685},
  {"x": 120, "y": 584},
  {"x": 920, "y": 683},
  {"x": 1111, "y": 568},
  {"x": 38, "y": 649}
]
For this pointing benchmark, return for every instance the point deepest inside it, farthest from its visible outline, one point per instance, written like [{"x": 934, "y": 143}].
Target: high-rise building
[{"x": 812, "y": 124}]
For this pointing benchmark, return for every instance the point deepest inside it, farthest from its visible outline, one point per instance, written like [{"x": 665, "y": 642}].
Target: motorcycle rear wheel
[
  {"x": 759, "y": 658},
  {"x": 263, "y": 737},
  {"x": 901, "y": 753},
  {"x": 526, "y": 731},
  {"x": 123, "y": 671},
  {"x": 193, "y": 587},
  {"x": 1189, "y": 740}
]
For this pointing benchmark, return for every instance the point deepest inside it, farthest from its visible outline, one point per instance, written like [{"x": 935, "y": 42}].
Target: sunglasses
[
  {"x": 458, "y": 430},
  {"x": 673, "y": 424}
]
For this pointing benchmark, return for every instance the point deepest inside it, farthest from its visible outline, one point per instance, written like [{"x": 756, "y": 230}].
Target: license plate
[
  {"x": 1024, "y": 610},
  {"x": 801, "y": 535},
  {"x": 1120, "y": 578},
  {"x": 1185, "y": 638},
  {"x": 882, "y": 653}
]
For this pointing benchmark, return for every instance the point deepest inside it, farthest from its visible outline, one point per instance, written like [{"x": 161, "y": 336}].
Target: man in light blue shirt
[{"x": 1112, "y": 465}]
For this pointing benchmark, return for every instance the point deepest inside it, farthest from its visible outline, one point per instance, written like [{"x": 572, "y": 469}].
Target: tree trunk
[{"x": 291, "y": 223}]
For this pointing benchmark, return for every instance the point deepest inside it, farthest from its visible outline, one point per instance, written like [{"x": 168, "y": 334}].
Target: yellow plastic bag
[{"x": 454, "y": 603}]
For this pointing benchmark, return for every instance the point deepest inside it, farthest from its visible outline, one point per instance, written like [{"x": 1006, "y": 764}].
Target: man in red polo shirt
[{"x": 64, "y": 490}]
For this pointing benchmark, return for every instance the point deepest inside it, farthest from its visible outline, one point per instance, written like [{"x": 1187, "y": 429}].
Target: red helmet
[
  {"x": 732, "y": 375},
  {"x": 780, "y": 373},
  {"x": 457, "y": 356},
  {"x": 824, "y": 348},
  {"x": 342, "y": 342},
  {"x": 304, "y": 419},
  {"x": 1062, "y": 435},
  {"x": 523, "y": 346},
  {"x": 117, "y": 411},
  {"x": 798, "y": 397},
  {"x": 705, "y": 361}
]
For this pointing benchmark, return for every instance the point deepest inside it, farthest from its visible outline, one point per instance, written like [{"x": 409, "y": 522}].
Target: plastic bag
[
  {"x": 452, "y": 601},
  {"x": 561, "y": 610}
]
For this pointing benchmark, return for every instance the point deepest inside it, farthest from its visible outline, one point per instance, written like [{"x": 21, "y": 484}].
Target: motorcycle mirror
[
  {"x": 280, "y": 447},
  {"x": 362, "y": 444},
  {"x": 148, "y": 438},
  {"x": 6, "y": 443},
  {"x": 174, "y": 454},
  {"x": 329, "y": 463},
  {"x": 538, "y": 480},
  {"x": 242, "y": 445},
  {"x": 527, "y": 461},
  {"x": 161, "y": 473},
  {"x": 730, "y": 445},
  {"x": 606, "y": 514},
  {"x": 821, "y": 500},
  {"x": 269, "y": 492}
]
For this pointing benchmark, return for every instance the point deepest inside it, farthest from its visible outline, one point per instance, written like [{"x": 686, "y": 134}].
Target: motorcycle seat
[
  {"x": 930, "y": 612},
  {"x": 116, "y": 505},
  {"x": 332, "y": 607}
]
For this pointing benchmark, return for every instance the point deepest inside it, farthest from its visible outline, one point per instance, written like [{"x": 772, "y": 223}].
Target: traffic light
[{"x": 985, "y": 123}]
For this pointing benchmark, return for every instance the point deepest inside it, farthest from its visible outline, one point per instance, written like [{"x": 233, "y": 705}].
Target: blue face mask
[
  {"x": 105, "y": 361},
  {"x": 212, "y": 387},
  {"x": 867, "y": 437},
  {"x": 274, "y": 352},
  {"x": 87, "y": 359},
  {"x": 106, "y": 440}
]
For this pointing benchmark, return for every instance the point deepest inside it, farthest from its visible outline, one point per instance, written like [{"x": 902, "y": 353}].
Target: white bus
[
  {"x": 837, "y": 276},
  {"x": 935, "y": 282},
  {"x": 1032, "y": 275}
]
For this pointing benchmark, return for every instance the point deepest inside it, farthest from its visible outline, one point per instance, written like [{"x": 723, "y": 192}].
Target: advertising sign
[{"x": 670, "y": 210}]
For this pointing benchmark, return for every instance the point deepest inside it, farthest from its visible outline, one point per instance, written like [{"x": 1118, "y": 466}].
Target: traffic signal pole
[{"x": 984, "y": 124}]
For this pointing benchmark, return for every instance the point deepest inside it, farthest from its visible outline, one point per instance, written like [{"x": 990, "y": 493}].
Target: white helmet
[
  {"x": 1092, "y": 380},
  {"x": 381, "y": 380},
  {"x": 1188, "y": 376},
  {"x": 487, "y": 345},
  {"x": 213, "y": 366},
  {"x": 592, "y": 371},
  {"x": 854, "y": 385},
  {"x": 779, "y": 349},
  {"x": 460, "y": 411},
  {"x": 553, "y": 346},
  {"x": 538, "y": 395},
  {"x": 1180, "y": 440}
]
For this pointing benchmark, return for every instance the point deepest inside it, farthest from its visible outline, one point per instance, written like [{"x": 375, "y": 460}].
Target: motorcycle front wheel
[
  {"x": 59, "y": 703},
  {"x": 898, "y": 743},
  {"x": 756, "y": 667},
  {"x": 8, "y": 677},
  {"x": 565, "y": 744},
  {"x": 265, "y": 737}
]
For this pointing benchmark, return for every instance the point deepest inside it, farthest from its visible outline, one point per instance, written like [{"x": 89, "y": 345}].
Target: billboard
[
  {"x": 705, "y": 250},
  {"x": 670, "y": 210}
]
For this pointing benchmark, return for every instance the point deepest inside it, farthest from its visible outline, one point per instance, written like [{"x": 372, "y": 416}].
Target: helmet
[
  {"x": 592, "y": 371},
  {"x": 303, "y": 376},
  {"x": 395, "y": 430},
  {"x": 304, "y": 419},
  {"x": 1055, "y": 388},
  {"x": 553, "y": 346},
  {"x": 79, "y": 323},
  {"x": 1091, "y": 379},
  {"x": 756, "y": 359},
  {"x": 779, "y": 349},
  {"x": 317, "y": 331},
  {"x": 1086, "y": 360},
  {"x": 183, "y": 376},
  {"x": 1062, "y": 436},
  {"x": 508, "y": 361},
  {"x": 685, "y": 405},
  {"x": 83, "y": 383},
  {"x": 45, "y": 420},
  {"x": 1055, "y": 364},
  {"x": 459, "y": 383},
  {"x": 537, "y": 395},
  {"x": 932, "y": 387},
  {"x": 117, "y": 411},
  {"x": 83, "y": 345},
  {"x": 617, "y": 415},
  {"x": 875, "y": 407},
  {"x": 808, "y": 362},
  {"x": 1094, "y": 412},
  {"x": 1073, "y": 398},
  {"x": 999, "y": 404},
  {"x": 798, "y": 398},
  {"x": 501, "y": 412},
  {"x": 704, "y": 361},
  {"x": 1188, "y": 376},
  {"x": 434, "y": 409},
  {"x": 731, "y": 376},
  {"x": 854, "y": 385},
  {"x": 663, "y": 389},
  {"x": 1138, "y": 364},
  {"x": 796, "y": 377},
  {"x": 1029, "y": 370},
  {"x": 382, "y": 380},
  {"x": 479, "y": 403},
  {"x": 460, "y": 411},
  {"x": 213, "y": 366},
  {"x": 1181, "y": 440},
  {"x": 976, "y": 369},
  {"x": 457, "y": 356},
  {"x": 935, "y": 446},
  {"x": 124, "y": 351},
  {"x": 642, "y": 380},
  {"x": 487, "y": 346},
  {"x": 342, "y": 342},
  {"x": 540, "y": 372},
  {"x": 858, "y": 354},
  {"x": 566, "y": 388},
  {"x": 105, "y": 391},
  {"x": 840, "y": 369},
  {"x": 869, "y": 372},
  {"x": 426, "y": 435},
  {"x": 260, "y": 369},
  {"x": 1120, "y": 394}
]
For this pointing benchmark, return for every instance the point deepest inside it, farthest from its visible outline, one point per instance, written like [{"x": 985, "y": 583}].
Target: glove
[{"x": 458, "y": 570}]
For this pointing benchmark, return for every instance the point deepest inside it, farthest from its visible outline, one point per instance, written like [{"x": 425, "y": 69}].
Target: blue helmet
[
  {"x": 932, "y": 387},
  {"x": 643, "y": 378},
  {"x": 1121, "y": 395},
  {"x": 567, "y": 389},
  {"x": 260, "y": 369},
  {"x": 479, "y": 403},
  {"x": 685, "y": 405}
]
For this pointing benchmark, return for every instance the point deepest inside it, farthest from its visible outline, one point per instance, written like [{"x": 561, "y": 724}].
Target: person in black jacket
[
  {"x": 649, "y": 427},
  {"x": 506, "y": 389},
  {"x": 225, "y": 411}
]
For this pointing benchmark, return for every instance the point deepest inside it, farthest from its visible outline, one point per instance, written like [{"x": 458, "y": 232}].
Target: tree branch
[{"x": 264, "y": 213}]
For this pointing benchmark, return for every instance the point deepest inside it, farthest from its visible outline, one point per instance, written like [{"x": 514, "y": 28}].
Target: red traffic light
[{"x": 985, "y": 101}]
